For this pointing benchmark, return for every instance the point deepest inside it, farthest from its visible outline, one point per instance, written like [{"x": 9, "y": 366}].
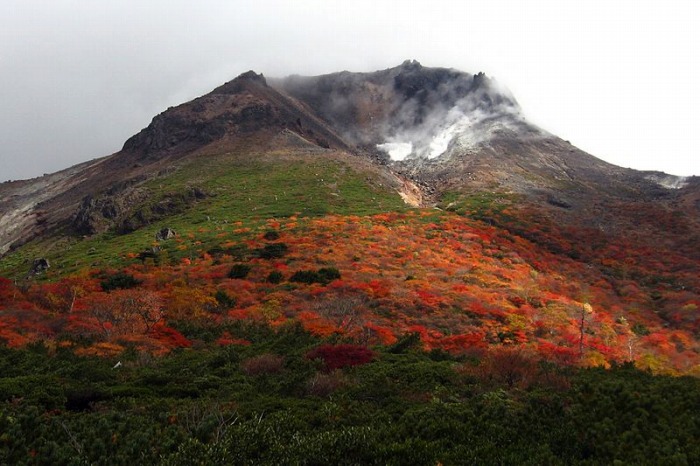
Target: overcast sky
[{"x": 618, "y": 79}]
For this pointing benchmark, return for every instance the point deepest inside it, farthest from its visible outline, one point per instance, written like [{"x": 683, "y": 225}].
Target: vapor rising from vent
[
  {"x": 427, "y": 130},
  {"x": 410, "y": 111}
]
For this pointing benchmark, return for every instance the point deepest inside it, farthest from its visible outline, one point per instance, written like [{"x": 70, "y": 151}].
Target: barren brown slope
[{"x": 483, "y": 136}]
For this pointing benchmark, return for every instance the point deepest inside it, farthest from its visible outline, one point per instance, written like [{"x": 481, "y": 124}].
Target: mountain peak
[
  {"x": 253, "y": 76},
  {"x": 242, "y": 82},
  {"x": 410, "y": 112},
  {"x": 411, "y": 64},
  {"x": 480, "y": 79}
]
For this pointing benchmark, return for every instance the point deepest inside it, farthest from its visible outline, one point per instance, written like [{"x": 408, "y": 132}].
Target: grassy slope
[{"x": 248, "y": 188}]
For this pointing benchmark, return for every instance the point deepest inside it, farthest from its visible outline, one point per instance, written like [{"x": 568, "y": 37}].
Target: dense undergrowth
[{"x": 274, "y": 400}]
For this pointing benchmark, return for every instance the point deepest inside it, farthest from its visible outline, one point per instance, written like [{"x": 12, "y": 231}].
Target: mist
[
  {"x": 79, "y": 78},
  {"x": 462, "y": 114}
]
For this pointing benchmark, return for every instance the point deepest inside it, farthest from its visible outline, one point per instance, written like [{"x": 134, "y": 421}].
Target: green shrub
[
  {"x": 271, "y": 235},
  {"x": 275, "y": 277},
  {"x": 225, "y": 301},
  {"x": 324, "y": 276},
  {"x": 405, "y": 343},
  {"x": 119, "y": 280},
  {"x": 305, "y": 276},
  {"x": 216, "y": 252},
  {"x": 239, "y": 252},
  {"x": 272, "y": 251},
  {"x": 239, "y": 271},
  {"x": 640, "y": 329},
  {"x": 328, "y": 274}
]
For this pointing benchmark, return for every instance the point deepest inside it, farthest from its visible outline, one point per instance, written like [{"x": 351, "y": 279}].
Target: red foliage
[
  {"x": 339, "y": 356},
  {"x": 239, "y": 314},
  {"x": 460, "y": 343},
  {"x": 428, "y": 298},
  {"x": 559, "y": 354},
  {"x": 427, "y": 336},
  {"x": 10, "y": 337},
  {"x": 383, "y": 334},
  {"x": 7, "y": 291},
  {"x": 170, "y": 337},
  {"x": 315, "y": 324}
]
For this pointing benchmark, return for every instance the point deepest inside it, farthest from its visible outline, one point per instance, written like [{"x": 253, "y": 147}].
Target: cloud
[{"x": 79, "y": 78}]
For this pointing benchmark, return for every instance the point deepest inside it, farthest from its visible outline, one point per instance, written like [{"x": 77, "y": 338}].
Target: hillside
[
  {"x": 553, "y": 225},
  {"x": 409, "y": 218}
]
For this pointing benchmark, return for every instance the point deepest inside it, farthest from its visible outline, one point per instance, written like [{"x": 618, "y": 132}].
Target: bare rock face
[
  {"x": 240, "y": 107},
  {"x": 99, "y": 214},
  {"x": 39, "y": 265},
  {"x": 409, "y": 104},
  {"x": 170, "y": 130},
  {"x": 118, "y": 209},
  {"x": 165, "y": 234},
  {"x": 30, "y": 208},
  {"x": 204, "y": 120}
]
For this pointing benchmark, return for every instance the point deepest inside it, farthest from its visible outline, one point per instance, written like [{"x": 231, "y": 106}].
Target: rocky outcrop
[
  {"x": 169, "y": 204},
  {"x": 130, "y": 210},
  {"x": 170, "y": 130},
  {"x": 39, "y": 265},
  {"x": 98, "y": 214},
  {"x": 165, "y": 234}
]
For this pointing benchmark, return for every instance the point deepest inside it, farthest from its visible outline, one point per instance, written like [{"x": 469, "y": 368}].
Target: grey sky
[{"x": 77, "y": 78}]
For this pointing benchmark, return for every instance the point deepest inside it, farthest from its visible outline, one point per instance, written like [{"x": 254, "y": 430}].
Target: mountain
[
  {"x": 440, "y": 131},
  {"x": 427, "y": 189},
  {"x": 241, "y": 113},
  {"x": 455, "y": 133},
  {"x": 393, "y": 267}
]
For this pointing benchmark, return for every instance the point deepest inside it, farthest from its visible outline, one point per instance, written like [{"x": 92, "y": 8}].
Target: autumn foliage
[
  {"x": 463, "y": 286},
  {"x": 340, "y": 356}
]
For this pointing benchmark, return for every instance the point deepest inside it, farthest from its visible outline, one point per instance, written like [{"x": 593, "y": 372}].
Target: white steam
[
  {"x": 396, "y": 150},
  {"x": 669, "y": 181},
  {"x": 447, "y": 132},
  {"x": 444, "y": 129},
  {"x": 431, "y": 131}
]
